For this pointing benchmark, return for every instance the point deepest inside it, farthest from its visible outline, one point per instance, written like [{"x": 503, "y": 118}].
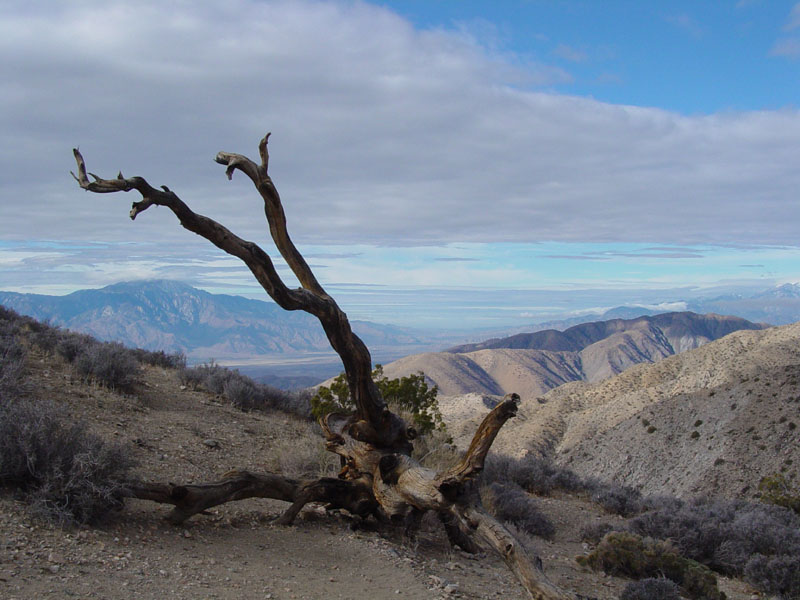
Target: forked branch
[
  {"x": 378, "y": 476},
  {"x": 377, "y": 425}
]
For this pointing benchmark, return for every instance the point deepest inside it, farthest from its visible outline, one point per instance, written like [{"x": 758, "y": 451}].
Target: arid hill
[
  {"x": 713, "y": 420},
  {"x": 531, "y": 364}
]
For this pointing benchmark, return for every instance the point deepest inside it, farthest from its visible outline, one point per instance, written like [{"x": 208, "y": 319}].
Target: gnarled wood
[
  {"x": 378, "y": 476},
  {"x": 191, "y": 499},
  {"x": 452, "y": 480}
]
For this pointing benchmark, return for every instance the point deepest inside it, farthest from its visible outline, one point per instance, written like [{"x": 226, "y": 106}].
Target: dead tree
[{"x": 378, "y": 475}]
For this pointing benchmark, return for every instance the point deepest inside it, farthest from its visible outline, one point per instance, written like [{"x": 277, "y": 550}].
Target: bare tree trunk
[{"x": 379, "y": 477}]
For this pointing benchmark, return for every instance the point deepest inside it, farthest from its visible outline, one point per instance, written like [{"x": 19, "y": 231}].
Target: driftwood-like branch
[
  {"x": 378, "y": 475},
  {"x": 515, "y": 556},
  {"x": 471, "y": 464},
  {"x": 377, "y": 425},
  {"x": 188, "y": 500}
]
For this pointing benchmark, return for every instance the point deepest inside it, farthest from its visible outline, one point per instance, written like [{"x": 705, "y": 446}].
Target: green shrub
[
  {"x": 64, "y": 472},
  {"x": 627, "y": 554},
  {"x": 407, "y": 394},
  {"x": 776, "y": 489}
]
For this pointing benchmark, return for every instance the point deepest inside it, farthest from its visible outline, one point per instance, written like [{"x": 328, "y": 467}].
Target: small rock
[
  {"x": 211, "y": 443},
  {"x": 451, "y": 588}
]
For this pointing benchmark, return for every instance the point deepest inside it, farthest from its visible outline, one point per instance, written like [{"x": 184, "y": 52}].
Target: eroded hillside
[{"x": 713, "y": 420}]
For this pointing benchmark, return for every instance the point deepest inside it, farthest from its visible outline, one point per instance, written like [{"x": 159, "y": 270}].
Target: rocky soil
[{"x": 180, "y": 435}]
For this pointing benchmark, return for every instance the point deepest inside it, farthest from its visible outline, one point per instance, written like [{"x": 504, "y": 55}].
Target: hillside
[
  {"x": 176, "y": 433},
  {"x": 531, "y": 364},
  {"x": 713, "y": 420}
]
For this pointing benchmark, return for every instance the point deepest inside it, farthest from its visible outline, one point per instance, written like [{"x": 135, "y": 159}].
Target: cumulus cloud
[{"x": 382, "y": 134}]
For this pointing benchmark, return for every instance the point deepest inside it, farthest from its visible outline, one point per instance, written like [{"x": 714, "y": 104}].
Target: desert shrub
[
  {"x": 594, "y": 532},
  {"x": 651, "y": 588},
  {"x": 776, "y": 489},
  {"x": 627, "y": 554},
  {"x": 71, "y": 345},
  {"x": 617, "y": 499},
  {"x": 159, "y": 358},
  {"x": 775, "y": 575},
  {"x": 510, "y": 503},
  {"x": 8, "y": 315},
  {"x": 303, "y": 455},
  {"x": 64, "y": 472},
  {"x": 108, "y": 364},
  {"x": 242, "y": 392},
  {"x": 410, "y": 394},
  {"x": 191, "y": 377},
  {"x": 46, "y": 339},
  {"x": 723, "y": 534},
  {"x": 535, "y": 475},
  {"x": 12, "y": 362}
]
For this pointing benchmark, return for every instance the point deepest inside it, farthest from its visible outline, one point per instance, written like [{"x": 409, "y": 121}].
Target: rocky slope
[
  {"x": 713, "y": 420},
  {"x": 530, "y": 364}
]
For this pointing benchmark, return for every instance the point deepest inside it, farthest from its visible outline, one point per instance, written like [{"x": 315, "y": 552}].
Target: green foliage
[
  {"x": 776, "y": 489},
  {"x": 627, "y": 554},
  {"x": 409, "y": 394}
]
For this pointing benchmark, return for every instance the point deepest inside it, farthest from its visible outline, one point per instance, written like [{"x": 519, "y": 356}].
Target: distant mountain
[
  {"x": 533, "y": 363},
  {"x": 776, "y": 306},
  {"x": 172, "y": 316},
  {"x": 682, "y": 331}
]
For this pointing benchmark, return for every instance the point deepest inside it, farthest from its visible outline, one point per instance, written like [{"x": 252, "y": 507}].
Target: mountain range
[
  {"x": 290, "y": 348},
  {"x": 175, "y": 317},
  {"x": 530, "y": 364}
]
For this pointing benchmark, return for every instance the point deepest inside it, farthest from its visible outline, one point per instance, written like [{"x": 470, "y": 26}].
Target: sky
[{"x": 441, "y": 163}]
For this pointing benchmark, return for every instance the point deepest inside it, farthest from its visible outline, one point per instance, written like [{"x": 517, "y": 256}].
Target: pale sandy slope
[
  {"x": 740, "y": 394},
  {"x": 530, "y": 372}
]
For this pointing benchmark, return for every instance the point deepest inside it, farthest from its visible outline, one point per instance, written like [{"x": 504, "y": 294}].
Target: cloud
[
  {"x": 456, "y": 259},
  {"x": 787, "y": 47},
  {"x": 664, "y": 252},
  {"x": 382, "y": 134},
  {"x": 569, "y": 53},
  {"x": 793, "y": 22},
  {"x": 685, "y": 23}
]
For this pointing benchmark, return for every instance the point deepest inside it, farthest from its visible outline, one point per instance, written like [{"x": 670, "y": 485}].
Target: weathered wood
[
  {"x": 452, "y": 480},
  {"x": 354, "y": 496},
  {"x": 378, "y": 476},
  {"x": 515, "y": 555}
]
